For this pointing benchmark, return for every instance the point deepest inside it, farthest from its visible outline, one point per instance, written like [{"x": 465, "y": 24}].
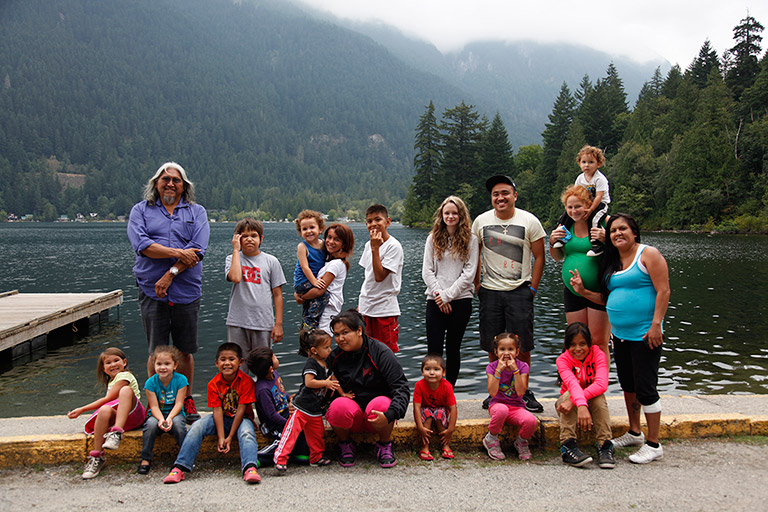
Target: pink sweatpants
[
  {"x": 345, "y": 413},
  {"x": 506, "y": 414}
]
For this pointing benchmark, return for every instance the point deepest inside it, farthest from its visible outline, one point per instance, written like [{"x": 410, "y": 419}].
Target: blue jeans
[
  {"x": 152, "y": 430},
  {"x": 246, "y": 438}
]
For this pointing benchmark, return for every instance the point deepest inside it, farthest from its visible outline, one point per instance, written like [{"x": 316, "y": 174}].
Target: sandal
[
  {"x": 447, "y": 453},
  {"x": 425, "y": 455},
  {"x": 281, "y": 468}
]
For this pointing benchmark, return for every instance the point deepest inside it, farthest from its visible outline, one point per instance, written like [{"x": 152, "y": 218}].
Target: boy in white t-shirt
[
  {"x": 590, "y": 159},
  {"x": 382, "y": 260},
  {"x": 258, "y": 279}
]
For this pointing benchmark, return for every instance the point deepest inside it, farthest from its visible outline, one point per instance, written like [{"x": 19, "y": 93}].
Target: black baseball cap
[{"x": 499, "y": 178}]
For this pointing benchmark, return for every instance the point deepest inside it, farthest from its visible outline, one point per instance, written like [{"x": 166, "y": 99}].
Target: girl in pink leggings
[
  {"x": 507, "y": 382},
  {"x": 376, "y": 390}
]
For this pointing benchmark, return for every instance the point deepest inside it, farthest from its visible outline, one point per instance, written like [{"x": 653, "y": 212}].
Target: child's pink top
[{"x": 586, "y": 379}]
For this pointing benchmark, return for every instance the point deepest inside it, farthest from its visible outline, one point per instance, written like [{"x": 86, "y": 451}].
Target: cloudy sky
[{"x": 671, "y": 29}]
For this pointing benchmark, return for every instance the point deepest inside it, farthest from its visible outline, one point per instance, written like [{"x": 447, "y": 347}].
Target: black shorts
[
  {"x": 510, "y": 311},
  {"x": 637, "y": 367},
  {"x": 573, "y": 302}
]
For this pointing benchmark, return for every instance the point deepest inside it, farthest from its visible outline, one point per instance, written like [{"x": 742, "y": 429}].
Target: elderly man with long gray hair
[{"x": 169, "y": 233}]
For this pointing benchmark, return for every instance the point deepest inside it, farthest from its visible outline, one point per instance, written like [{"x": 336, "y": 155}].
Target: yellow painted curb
[{"x": 18, "y": 451}]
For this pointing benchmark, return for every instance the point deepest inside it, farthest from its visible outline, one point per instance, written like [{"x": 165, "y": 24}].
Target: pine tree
[
  {"x": 703, "y": 64},
  {"x": 556, "y": 130},
  {"x": 426, "y": 162},
  {"x": 462, "y": 131},
  {"x": 554, "y": 136},
  {"x": 495, "y": 150},
  {"x": 744, "y": 67}
]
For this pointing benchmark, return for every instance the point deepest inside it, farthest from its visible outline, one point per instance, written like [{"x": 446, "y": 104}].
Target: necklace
[{"x": 503, "y": 226}]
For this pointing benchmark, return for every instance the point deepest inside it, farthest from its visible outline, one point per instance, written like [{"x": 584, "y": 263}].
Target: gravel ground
[{"x": 694, "y": 475}]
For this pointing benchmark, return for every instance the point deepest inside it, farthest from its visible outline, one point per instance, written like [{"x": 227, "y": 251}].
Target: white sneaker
[
  {"x": 112, "y": 440},
  {"x": 647, "y": 454},
  {"x": 93, "y": 467},
  {"x": 628, "y": 440}
]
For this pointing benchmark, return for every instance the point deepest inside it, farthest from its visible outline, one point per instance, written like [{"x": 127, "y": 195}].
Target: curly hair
[
  {"x": 597, "y": 153},
  {"x": 442, "y": 241},
  {"x": 578, "y": 191},
  {"x": 310, "y": 214}
]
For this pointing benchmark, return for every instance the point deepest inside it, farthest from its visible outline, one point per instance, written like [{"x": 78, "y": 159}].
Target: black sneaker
[
  {"x": 531, "y": 403},
  {"x": 385, "y": 455},
  {"x": 486, "y": 402},
  {"x": 605, "y": 455},
  {"x": 190, "y": 411},
  {"x": 596, "y": 250},
  {"x": 572, "y": 455}
]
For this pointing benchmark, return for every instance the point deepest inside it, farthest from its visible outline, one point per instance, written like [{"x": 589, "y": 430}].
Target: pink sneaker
[
  {"x": 251, "y": 476},
  {"x": 175, "y": 476},
  {"x": 493, "y": 447},
  {"x": 521, "y": 445}
]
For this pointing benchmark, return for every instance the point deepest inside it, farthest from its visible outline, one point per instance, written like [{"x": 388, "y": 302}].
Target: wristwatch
[{"x": 174, "y": 271}]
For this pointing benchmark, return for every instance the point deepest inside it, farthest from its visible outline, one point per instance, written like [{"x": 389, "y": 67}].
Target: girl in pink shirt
[{"x": 583, "y": 372}]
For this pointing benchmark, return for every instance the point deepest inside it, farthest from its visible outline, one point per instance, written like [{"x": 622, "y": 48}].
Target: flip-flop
[
  {"x": 447, "y": 453},
  {"x": 425, "y": 455}
]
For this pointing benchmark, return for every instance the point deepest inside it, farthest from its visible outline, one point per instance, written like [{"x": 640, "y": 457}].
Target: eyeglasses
[{"x": 175, "y": 180}]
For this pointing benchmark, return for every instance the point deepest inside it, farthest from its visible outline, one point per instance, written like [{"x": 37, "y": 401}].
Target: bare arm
[
  {"x": 277, "y": 330},
  {"x": 595, "y": 202},
  {"x": 659, "y": 273},
  {"x": 379, "y": 272},
  {"x": 311, "y": 382},
  {"x": 301, "y": 255},
  {"x": 537, "y": 250},
  {"x": 235, "y": 273},
  {"x": 479, "y": 264},
  {"x": 111, "y": 395},
  {"x": 314, "y": 293}
]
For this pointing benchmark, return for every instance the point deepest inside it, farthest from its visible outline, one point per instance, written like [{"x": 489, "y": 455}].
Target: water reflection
[{"x": 715, "y": 325}]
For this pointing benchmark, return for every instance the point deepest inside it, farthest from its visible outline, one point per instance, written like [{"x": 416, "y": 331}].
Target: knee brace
[{"x": 654, "y": 407}]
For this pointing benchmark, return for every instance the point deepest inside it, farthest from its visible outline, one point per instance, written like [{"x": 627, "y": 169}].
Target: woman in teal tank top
[
  {"x": 573, "y": 254},
  {"x": 635, "y": 283}
]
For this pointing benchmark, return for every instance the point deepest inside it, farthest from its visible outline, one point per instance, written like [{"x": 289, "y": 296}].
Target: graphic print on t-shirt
[
  {"x": 508, "y": 242},
  {"x": 252, "y": 275},
  {"x": 592, "y": 189},
  {"x": 229, "y": 402}
]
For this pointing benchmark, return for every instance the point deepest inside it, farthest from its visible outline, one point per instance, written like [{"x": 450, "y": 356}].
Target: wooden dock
[{"x": 27, "y": 319}]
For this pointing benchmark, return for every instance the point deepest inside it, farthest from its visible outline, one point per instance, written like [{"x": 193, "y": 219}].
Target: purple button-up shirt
[{"x": 186, "y": 228}]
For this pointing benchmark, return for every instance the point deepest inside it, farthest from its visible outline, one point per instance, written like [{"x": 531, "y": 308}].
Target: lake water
[{"x": 716, "y": 326}]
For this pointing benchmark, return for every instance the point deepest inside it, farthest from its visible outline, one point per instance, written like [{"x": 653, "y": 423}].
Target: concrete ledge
[{"x": 49, "y": 439}]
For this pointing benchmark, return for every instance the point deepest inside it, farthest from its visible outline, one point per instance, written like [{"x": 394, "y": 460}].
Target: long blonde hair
[{"x": 458, "y": 245}]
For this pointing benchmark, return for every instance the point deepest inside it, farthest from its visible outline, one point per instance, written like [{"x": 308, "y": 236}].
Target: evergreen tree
[
  {"x": 743, "y": 69},
  {"x": 496, "y": 155},
  {"x": 585, "y": 86},
  {"x": 556, "y": 130},
  {"x": 462, "y": 131},
  {"x": 426, "y": 162},
  {"x": 554, "y": 136},
  {"x": 702, "y": 65}
]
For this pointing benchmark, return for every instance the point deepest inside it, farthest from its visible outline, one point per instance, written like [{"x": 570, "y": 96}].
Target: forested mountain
[
  {"x": 517, "y": 78},
  {"x": 267, "y": 109},
  {"x": 691, "y": 154}
]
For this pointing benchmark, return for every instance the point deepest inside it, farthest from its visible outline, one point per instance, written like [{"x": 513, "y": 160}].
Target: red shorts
[{"x": 385, "y": 329}]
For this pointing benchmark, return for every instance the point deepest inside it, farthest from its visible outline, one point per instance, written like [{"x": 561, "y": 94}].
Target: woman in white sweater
[{"x": 450, "y": 263}]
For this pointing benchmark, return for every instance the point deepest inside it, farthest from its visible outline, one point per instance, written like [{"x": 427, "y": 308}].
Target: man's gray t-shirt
[{"x": 250, "y": 303}]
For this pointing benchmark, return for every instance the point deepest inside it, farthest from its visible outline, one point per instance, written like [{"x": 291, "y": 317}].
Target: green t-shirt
[{"x": 576, "y": 258}]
